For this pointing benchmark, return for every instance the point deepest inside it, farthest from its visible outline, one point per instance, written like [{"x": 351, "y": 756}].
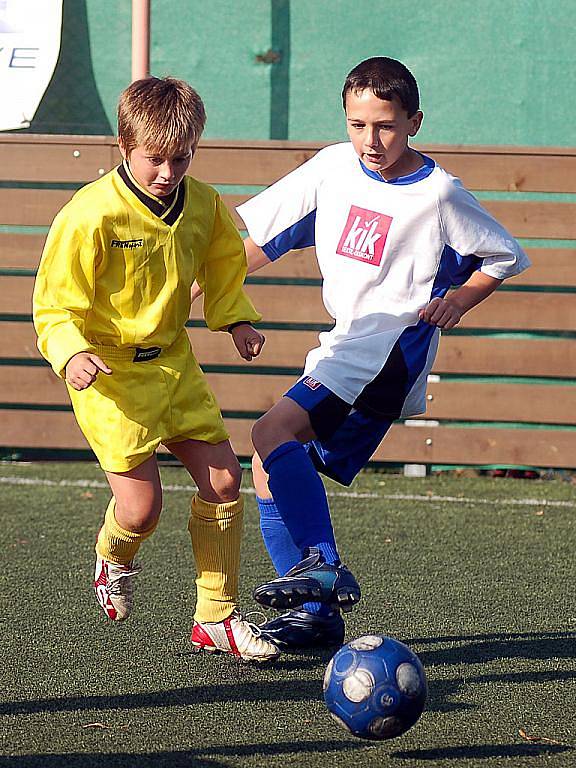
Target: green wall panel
[{"x": 490, "y": 71}]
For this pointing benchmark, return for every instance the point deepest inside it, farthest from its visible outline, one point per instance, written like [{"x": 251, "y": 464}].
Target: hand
[
  {"x": 248, "y": 340},
  {"x": 441, "y": 313},
  {"x": 83, "y": 368}
]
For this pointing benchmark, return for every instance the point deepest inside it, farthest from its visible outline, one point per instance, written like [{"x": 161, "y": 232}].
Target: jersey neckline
[
  {"x": 168, "y": 210},
  {"x": 423, "y": 172}
]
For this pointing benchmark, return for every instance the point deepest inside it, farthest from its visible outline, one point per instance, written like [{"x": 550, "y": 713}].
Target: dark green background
[{"x": 490, "y": 72}]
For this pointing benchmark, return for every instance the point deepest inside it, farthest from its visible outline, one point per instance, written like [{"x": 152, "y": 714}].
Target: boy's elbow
[{"x": 255, "y": 255}]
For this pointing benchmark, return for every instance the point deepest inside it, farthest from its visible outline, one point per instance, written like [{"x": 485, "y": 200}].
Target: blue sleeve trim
[
  {"x": 454, "y": 269},
  {"x": 299, "y": 235}
]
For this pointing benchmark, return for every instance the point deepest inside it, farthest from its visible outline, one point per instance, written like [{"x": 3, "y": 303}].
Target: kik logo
[{"x": 364, "y": 235}]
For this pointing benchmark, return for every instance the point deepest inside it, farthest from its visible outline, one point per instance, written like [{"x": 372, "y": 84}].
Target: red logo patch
[
  {"x": 364, "y": 235},
  {"x": 311, "y": 383}
]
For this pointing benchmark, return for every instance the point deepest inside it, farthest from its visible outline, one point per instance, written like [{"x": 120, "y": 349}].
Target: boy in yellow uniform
[{"x": 111, "y": 301}]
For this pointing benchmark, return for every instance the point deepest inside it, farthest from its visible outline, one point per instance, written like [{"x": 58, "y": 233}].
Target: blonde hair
[{"x": 165, "y": 115}]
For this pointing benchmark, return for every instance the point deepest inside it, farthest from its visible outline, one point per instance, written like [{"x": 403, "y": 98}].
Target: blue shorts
[{"x": 346, "y": 438}]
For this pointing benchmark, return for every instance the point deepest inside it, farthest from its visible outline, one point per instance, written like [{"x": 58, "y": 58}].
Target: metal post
[{"x": 140, "y": 39}]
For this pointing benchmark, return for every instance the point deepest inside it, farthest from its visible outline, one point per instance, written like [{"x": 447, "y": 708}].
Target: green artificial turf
[{"x": 475, "y": 574}]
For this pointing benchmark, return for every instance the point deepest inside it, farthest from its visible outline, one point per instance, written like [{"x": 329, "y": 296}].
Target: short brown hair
[
  {"x": 386, "y": 78},
  {"x": 164, "y": 114}
]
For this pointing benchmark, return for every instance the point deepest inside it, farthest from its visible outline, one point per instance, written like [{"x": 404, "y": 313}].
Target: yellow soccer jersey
[{"x": 118, "y": 266}]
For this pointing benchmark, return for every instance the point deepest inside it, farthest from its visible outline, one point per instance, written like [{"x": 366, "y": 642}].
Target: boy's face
[
  {"x": 379, "y": 132},
  {"x": 159, "y": 176}
]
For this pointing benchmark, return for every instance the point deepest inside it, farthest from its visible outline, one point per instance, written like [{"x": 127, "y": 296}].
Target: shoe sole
[
  {"x": 313, "y": 645},
  {"x": 285, "y": 598},
  {"x": 196, "y": 648}
]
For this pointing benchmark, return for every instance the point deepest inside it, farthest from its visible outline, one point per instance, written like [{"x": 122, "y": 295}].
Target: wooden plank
[
  {"x": 18, "y": 341},
  {"x": 510, "y": 171},
  {"x": 486, "y": 171},
  {"x": 20, "y": 251},
  {"x": 109, "y": 140},
  {"x": 35, "y": 157},
  {"x": 41, "y": 429},
  {"x": 234, "y": 391},
  {"x": 481, "y": 356},
  {"x": 522, "y": 403},
  {"x": 303, "y": 304},
  {"x": 474, "y": 446},
  {"x": 486, "y": 356},
  {"x": 73, "y": 161},
  {"x": 447, "y": 400},
  {"x": 504, "y": 310},
  {"x": 282, "y": 348},
  {"x": 556, "y": 221},
  {"x": 295, "y": 264},
  {"x": 478, "y": 355},
  {"x": 32, "y": 386},
  {"x": 275, "y": 302},
  {"x": 422, "y": 445},
  {"x": 523, "y": 312},
  {"x": 545, "y": 448},
  {"x": 550, "y": 266},
  {"x": 31, "y": 207},
  {"x": 247, "y": 165},
  {"x": 535, "y": 219},
  {"x": 37, "y": 207},
  {"x": 16, "y": 295}
]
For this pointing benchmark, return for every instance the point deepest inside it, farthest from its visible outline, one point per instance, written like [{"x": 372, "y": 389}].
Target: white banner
[{"x": 29, "y": 48}]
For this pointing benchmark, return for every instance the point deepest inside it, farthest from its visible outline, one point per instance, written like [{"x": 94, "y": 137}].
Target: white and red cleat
[
  {"x": 235, "y": 636},
  {"x": 113, "y": 588}
]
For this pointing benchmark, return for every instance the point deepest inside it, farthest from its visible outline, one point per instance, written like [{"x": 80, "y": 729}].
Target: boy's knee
[
  {"x": 262, "y": 429},
  {"x": 138, "y": 515},
  {"x": 224, "y": 485}
]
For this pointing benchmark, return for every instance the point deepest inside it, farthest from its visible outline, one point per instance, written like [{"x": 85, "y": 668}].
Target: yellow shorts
[{"x": 127, "y": 414}]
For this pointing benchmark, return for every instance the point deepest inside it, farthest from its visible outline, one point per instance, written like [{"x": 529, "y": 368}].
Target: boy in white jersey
[
  {"x": 393, "y": 232},
  {"x": 111, "y": 302}
]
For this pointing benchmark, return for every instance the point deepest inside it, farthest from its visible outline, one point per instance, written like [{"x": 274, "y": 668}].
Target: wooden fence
[{"x": 503, "y": 390}]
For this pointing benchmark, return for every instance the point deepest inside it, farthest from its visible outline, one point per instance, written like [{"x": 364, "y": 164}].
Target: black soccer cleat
[
  {"x": 299, "y": 630},
  {"x": 311, "y": 580}
]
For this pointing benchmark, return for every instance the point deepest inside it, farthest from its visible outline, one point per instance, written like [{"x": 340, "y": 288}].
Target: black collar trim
[
  {"x": 174, "y": 211},
  {"x": 168, "y": 213}
]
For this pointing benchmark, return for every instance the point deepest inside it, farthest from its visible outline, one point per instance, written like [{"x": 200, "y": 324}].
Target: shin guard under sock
[
  {"x": 216, "y": 533},
  {"x": 300, "y": 498},
  {"x": 116, "y": 544}
]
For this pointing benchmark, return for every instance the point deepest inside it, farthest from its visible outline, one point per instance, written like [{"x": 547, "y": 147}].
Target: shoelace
[
  {"x": 255, "y": 628},
  {"x": 115, "y": 578}
]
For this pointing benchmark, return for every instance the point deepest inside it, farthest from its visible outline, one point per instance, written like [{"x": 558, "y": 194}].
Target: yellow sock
[
  {"x": 216, "y": 533},
  {"x": 117, "y": 544}
]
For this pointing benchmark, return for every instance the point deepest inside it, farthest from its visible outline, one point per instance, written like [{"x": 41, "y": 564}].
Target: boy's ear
[
  {"x": 416, "y": 121},
  {"x": 121, "y": 148}
]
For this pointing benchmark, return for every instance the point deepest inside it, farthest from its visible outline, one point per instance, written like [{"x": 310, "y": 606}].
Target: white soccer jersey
[{"x": 385, "y": 249}]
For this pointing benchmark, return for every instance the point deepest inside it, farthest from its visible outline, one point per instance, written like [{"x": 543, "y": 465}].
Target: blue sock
[
  {"x": 301, "y": 499},
  {"x": 282, "y": 550}
]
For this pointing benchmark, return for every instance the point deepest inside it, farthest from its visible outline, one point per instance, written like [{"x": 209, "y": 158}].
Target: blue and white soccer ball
[{"x": 375, "y": 687}]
